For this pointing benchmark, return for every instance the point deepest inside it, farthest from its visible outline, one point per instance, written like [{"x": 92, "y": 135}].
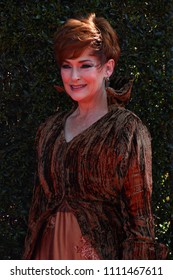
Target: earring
[{"x": 107, "y": 82}]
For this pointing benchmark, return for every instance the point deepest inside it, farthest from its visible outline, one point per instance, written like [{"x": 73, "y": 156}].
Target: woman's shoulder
[
  {"x": 55, "y": 118},
  {"x": 126, "y": 119},
  {"x": 124, "y": 114},
  {"x": 50, "y": 123}
]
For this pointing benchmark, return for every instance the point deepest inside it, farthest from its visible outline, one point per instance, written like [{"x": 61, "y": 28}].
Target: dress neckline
[{"x": 83, "y": 132}]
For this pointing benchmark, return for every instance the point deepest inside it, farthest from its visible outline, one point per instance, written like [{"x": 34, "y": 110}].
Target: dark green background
[{"x": 29, "y": 72}]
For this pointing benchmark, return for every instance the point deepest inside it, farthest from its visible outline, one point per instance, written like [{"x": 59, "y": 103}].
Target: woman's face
[{"x": 83, "y": 77}]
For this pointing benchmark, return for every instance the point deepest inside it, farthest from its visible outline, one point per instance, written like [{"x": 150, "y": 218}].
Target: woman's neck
[{"x": 98, "y": 105}]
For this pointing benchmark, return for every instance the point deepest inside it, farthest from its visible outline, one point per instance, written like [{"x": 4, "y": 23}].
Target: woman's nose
[{"x": 75, "y": 75}]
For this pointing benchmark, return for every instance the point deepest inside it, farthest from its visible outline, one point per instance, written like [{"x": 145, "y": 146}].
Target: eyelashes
[
  {"x": 83, "y": 66},
  {"x": 65, "y": 66},
  {"x": 87, "y": 66}
]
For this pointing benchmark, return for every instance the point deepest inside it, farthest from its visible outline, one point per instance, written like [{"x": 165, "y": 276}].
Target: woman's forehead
[{"x": 85, "y": 56}]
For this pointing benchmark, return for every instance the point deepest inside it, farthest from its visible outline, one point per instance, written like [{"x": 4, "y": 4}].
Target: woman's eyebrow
[
  {"x": 85, "y": 60},
  {"x": 80, "y": 61}
]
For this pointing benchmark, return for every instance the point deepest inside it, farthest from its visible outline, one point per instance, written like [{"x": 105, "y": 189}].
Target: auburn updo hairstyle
[{"x": 75, "y": 35}]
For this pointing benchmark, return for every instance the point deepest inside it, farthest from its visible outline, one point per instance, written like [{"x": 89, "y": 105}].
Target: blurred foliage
[{"x": 29, "y": 72}]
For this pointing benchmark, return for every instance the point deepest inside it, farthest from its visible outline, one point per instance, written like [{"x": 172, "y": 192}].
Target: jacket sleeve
[{"x": 136, "y": 201}]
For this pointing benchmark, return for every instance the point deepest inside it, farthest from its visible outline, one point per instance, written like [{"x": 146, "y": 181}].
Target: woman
[{"x": 93, "y": 182}]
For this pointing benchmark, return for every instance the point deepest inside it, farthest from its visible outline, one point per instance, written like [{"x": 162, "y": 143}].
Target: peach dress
[{"x": 62, "y": 239}]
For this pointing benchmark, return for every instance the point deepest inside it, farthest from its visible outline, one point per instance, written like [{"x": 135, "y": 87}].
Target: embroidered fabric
[{"x": 86, "y": 251}]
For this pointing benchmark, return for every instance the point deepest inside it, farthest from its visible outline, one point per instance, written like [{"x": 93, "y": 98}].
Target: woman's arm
[{"x": 136, "y": 201}]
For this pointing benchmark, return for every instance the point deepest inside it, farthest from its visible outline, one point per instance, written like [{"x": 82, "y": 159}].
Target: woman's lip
[{"x": 77, "y": 86}]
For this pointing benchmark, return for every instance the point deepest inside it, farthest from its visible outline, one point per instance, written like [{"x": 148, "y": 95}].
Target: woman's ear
[{"x": 110, "y": 64}]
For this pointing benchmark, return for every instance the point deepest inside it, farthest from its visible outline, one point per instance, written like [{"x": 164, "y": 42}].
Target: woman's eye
[
  {"x": 86, "y": 66},
  {"x": 66, "y": 66}
]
